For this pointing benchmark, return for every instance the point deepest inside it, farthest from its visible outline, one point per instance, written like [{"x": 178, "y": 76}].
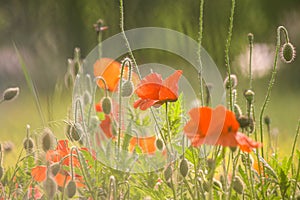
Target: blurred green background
[{"x": 46, "y": 32}]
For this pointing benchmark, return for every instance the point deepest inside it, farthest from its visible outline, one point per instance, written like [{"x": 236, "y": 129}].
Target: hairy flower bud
[
  {"x": 47, "y": 139},
  {"x": 76, "y": 131},
  {"x": 10, "y": 94},
  {"x": 106, "y": 105},
  {"x": 184, "y": 167},
  {"x": 233, "y": 80},
  {"x": 127, "y": 89},
  {"x": 238, "y": 185},
  {"x": 55, "y": 167},
  {"x": 28, "y": 144},
  {"x": 249, "y": 95},
  {"x": 159, "y": 144},
  {"x": 168, "y": 173},
  {"x": 71, "y": 189},
  {"x": 287, "y": 53},
  {"x": 50, "y": 187}
]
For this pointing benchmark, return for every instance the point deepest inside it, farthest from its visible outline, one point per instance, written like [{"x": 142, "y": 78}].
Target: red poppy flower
[
  {"x": 216, "y": 127},
  {"x": 110, "y": 70},
  {"x": 39, "y": 174},
  {"x": 147, "y": 144},
  {"x": 153, "y": 91},
  {"x": 62, "y": 150}
]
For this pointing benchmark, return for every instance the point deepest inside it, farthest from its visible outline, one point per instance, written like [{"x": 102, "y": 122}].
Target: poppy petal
[
  {"x": 39, "y": 173},
  {"x": 169, "y": 91},
  {"x": 149, "y": 87}
]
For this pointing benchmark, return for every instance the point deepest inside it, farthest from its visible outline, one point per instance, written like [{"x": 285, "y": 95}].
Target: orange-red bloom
[
  {"x": 216, "y": 127},
  {"x": 153, "y": 91},
  {"x": 110, "y": 70},
  {"x": 147, "y": 144},
  {"x": 39, "y": 174}
]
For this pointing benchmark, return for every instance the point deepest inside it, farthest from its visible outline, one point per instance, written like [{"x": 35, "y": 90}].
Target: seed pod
[
  {"x": 47, "y": 139},
  {"x": 11, "y": 93},
  {"x": 71, "y": 189},
  {"x": 127, "y": 89},
  {"x": 287, "y": 53},
  {"x": 238, "y": 185},
  {"x": 50, "y": 187},
  {"x": 211, "y": 163},
  {"x": 184, "y": 167},
  {"x": 55, "y": 167},
  {"x": 159, "y": 144},
  {"x": 249, "y": 95},
  {"x": 28, "y": 144},
  {"x": 168, "y": 173},
  {"x": 233, "y": 79},
  {"x": 106, "y": 105},
  {"x": 1, "y": 171}
]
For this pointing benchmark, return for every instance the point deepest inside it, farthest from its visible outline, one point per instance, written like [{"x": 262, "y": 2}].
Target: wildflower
[
  {"x": 147, "y": 144},
  {"x": 110, "y": 70},
  {"x": 222, "y": 129},
  {"x": 153, "y": 91},
  {"x": 106, "y": 124}
]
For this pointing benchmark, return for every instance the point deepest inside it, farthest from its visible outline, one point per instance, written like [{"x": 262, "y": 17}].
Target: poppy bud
[
  {"x": 233, "y": 79},
  {"x": 249, "y": 95},
  {"x": 1, "y": 171},
  {"x": 86, "y": 98},
  {"x": 168, "y": 173},
  {"x": 76, "y": 131},
  {"x": 50, "y": 187},
  {"x": 243, "y": 121},
  {"x": 28, "y": 144},
  {"x": 267, "y": 120},
  {"x": 233, "y": 149},
  {"x": 211, "y": 163},
  {"x": 10, "y": 94},
  {"x": 287, "y": 53},
  {"x": 206, "y": 185},
  {"x": 106, "y": 105},
  {"x": 47, "y": 139},
  {"x": 127, "y": 89},
  {"x": 238, "y": 185},
  {"x": 184, "y": 167},
  {"x": 71, "y": 189},
  {"x": 159, "y": 144},
  {"x": 55, "y": 167},
  {"x": 250, "y": 38}
]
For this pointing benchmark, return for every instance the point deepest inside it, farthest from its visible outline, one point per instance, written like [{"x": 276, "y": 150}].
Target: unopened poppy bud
[
  {"x": 77, "y": 131},
  {"x": 86, "y": 98},
  {"x": 237, "y": 110},
  {"x": 50, "y": 187},
  {"x": 106, "y": 105},
  {"x": 47, "y": 139},
  {"x": 250, "y": 38},
  {"x": 71, "y": 189},
  {"x": 238, "y": 185},
  {"x": 243, "y": 121},
  {"x": 127, "y": 89},
  {"x": 184, "y": 167},
  {"x": 211, "y": 163},
  {"x": 267, "y": 120},
  {"x": 206, "y": 185},
  {"x": 10, "y": 94},
  {"x": 249, "y": 95},
  {"x": 233, "y": 149},
  {"x": 233, "y": 80},
  {"x": 28, "y": 144},
  {"x": 168, "y": 173},
  {"x": 159, "y": 144},
  {"x": 1, "y": 171},
  {"x": 287, "y": 53},
  {"x": 55, "y": 167}
]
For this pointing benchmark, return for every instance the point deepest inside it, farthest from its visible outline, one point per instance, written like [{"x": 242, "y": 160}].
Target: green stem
[
  {"x": 168, "y": 127},
  {"x": 227, "y": 46},
  {"x": 271, "y": 82},
  {"x": 199, "y": 51},
  {"x": 234, "y": 162},
  {"x": 296, "y": 181},
  {"x": 250, "y": 61},
  {"x": 294, "y": 144}
]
